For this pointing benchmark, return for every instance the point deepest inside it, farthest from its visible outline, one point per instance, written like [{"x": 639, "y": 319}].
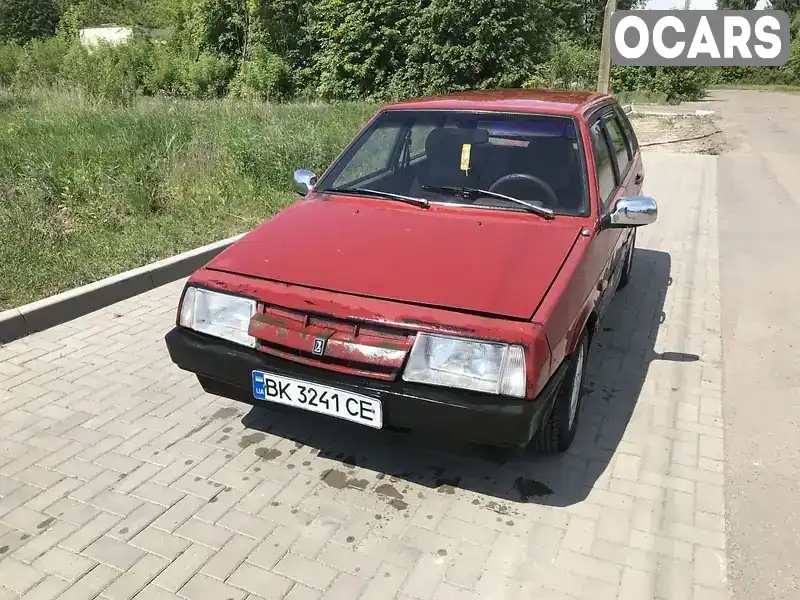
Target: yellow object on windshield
[{"x": 466, "y": 149}]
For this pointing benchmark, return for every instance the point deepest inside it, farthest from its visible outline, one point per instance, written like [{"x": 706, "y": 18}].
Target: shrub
[
  {"x": 10, "y": 56},
  {"x": 207, "y": 76},
  {"x": 675, "y": 83},
  {"x": 263, "y": 76},
  {"x": 793, "y": 66},
  {"x": 570, "y": 66},
  {"x": 164, "y": 73},
  {"x": 109, "y": 73},
  {"x": 41, "y": 61},
  {"x": 23, "y": 20}
]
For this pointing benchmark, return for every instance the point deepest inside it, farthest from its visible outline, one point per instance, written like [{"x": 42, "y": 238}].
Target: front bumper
[{"x": 225, "y": 369}]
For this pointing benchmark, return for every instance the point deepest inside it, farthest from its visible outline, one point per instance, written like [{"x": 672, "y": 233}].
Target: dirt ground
[{"x": 663, "y": 132}]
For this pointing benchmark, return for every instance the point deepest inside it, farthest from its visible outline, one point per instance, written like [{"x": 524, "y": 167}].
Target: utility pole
[
  {"x": 688, "y": 5},
  {"x": 604, "y": 76}
]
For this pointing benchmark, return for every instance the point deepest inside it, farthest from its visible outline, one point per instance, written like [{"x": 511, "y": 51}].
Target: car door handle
[{"x": 638, "y": 179}]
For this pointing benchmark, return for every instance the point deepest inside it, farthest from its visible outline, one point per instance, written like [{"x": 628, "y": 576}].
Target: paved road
[
  {"x": 759, "y": 191},
  {"x": 120, "y": 478}
]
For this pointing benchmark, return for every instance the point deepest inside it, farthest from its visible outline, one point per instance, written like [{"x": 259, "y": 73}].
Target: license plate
[{"x": 318, "y": 398}]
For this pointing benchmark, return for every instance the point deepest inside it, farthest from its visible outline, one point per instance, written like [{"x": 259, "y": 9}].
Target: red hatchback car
[{"x": 446, "y": 273}]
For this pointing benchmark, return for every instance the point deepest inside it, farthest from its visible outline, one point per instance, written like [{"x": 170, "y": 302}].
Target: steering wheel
[{"x": 515, "y": 177}]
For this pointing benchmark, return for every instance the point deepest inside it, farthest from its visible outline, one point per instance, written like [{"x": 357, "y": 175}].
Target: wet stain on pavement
[
  {"x": 225, "y": 413},
  {"x": 335, "y": 479},
  {"x": 222, "y": 413},
  {"x": 359, "y": 484},
  {"x": 448, "y": 485},
  {"x": 250, "y": 439},
  {"x": 46, "y": 523},
  {"x": 339, "y": 480},
  {"x": 530, "y": 488},
  {"x": 268, "y": 453},
  {"x": 388, "y": 490}
]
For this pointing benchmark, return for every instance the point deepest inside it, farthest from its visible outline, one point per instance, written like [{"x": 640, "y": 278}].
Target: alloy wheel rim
[{"x": 575, "y": 393}]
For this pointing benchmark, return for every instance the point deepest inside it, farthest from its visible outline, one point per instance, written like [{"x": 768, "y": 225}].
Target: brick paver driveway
[{"x": 120, "y": 478}]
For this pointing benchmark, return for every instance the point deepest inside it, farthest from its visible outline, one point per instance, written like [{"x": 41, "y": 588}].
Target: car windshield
[{"x": 448, "y": 156}]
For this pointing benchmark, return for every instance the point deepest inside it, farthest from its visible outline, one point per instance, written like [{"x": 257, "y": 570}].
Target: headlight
[
  {"x": 220, "y": 315},
  {"x": 470, "y": 364}
]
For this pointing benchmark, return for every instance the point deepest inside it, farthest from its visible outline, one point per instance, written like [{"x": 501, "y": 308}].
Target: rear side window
[
  {"x": 630, "y": 134},
  {"x": 602, "y": 163},
  {"x": 619, "y": 145}
]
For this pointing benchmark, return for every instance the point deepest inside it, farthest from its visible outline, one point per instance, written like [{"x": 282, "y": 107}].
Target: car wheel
[
  {"x": 558, "y": 432},
  {"x": 626, "y": 270}
]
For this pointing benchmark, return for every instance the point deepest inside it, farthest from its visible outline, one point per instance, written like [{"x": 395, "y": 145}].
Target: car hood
[{"x": 490, "y": 262}]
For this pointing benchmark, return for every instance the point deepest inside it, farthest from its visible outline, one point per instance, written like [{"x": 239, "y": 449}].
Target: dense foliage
[
  {"x": 23, "y": 20},
  {"x": 278, "y": 50}
]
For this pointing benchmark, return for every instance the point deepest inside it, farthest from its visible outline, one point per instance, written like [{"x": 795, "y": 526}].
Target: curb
[
  {"x": 61, "y": 308},
  {"x": 657, "y": 113}
]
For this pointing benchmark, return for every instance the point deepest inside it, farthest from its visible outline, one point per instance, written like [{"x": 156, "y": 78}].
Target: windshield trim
[{"x": 582, "y": 150}]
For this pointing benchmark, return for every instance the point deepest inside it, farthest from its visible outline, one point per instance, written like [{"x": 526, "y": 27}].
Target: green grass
[{"x": 89, "y": 191}]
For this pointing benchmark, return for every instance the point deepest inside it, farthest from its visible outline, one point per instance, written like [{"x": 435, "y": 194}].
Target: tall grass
[{"x": 87, "y": 191}]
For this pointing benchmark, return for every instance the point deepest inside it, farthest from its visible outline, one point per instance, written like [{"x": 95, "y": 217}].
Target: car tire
[
  {"x": 558, "y": 431},
  {"x": 626, "y": 269}
]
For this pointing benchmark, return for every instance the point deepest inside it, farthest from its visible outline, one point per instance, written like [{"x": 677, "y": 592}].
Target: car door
[{"x": 619, "y": 174}]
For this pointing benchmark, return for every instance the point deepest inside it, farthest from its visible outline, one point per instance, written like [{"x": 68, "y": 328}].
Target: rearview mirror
[
  {"x": 631, "y": 211},
  {"x": 304, "y": 181}
]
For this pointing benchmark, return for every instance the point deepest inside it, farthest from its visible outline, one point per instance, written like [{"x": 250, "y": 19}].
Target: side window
[
  {"x": 627, "y": 127},
  {"x": 602, "y": 162},
  {"x": 372, "y": 157},
  {"x": 619, "y": 145}
]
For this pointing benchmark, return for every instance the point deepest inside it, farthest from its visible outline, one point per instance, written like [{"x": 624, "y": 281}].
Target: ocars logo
[{"x": 700, "y": 37}]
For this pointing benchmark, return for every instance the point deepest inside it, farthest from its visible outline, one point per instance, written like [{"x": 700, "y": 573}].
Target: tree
[
  {"x": 362, "y": 45},
  {"x": 788, "y": 6},
  {"x": 582, "y": 20},
  {"x": 23, "y": 20},
  {"x": 736, "y": 4},
  {"x": 462, "y": 44}
]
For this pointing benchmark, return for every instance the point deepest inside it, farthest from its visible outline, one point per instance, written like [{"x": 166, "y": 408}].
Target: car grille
[{"x": 349, "y": 347}]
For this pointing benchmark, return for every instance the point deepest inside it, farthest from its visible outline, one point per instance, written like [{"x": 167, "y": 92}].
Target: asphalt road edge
[{"x": 24, "y": 320}]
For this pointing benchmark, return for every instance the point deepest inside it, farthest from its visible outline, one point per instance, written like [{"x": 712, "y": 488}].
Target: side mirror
[
  {"x": 304, "y": 181},
  {"x": 631, "y": 211}
]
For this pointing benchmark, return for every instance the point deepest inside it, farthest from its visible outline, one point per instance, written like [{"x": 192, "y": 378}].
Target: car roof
[{"x": 540, "y": 101}]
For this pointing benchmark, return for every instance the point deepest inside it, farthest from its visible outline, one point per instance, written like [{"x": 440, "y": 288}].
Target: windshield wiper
[
  {"x": 368, "y": 192},
  {"x": 474, "y": 192}
]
